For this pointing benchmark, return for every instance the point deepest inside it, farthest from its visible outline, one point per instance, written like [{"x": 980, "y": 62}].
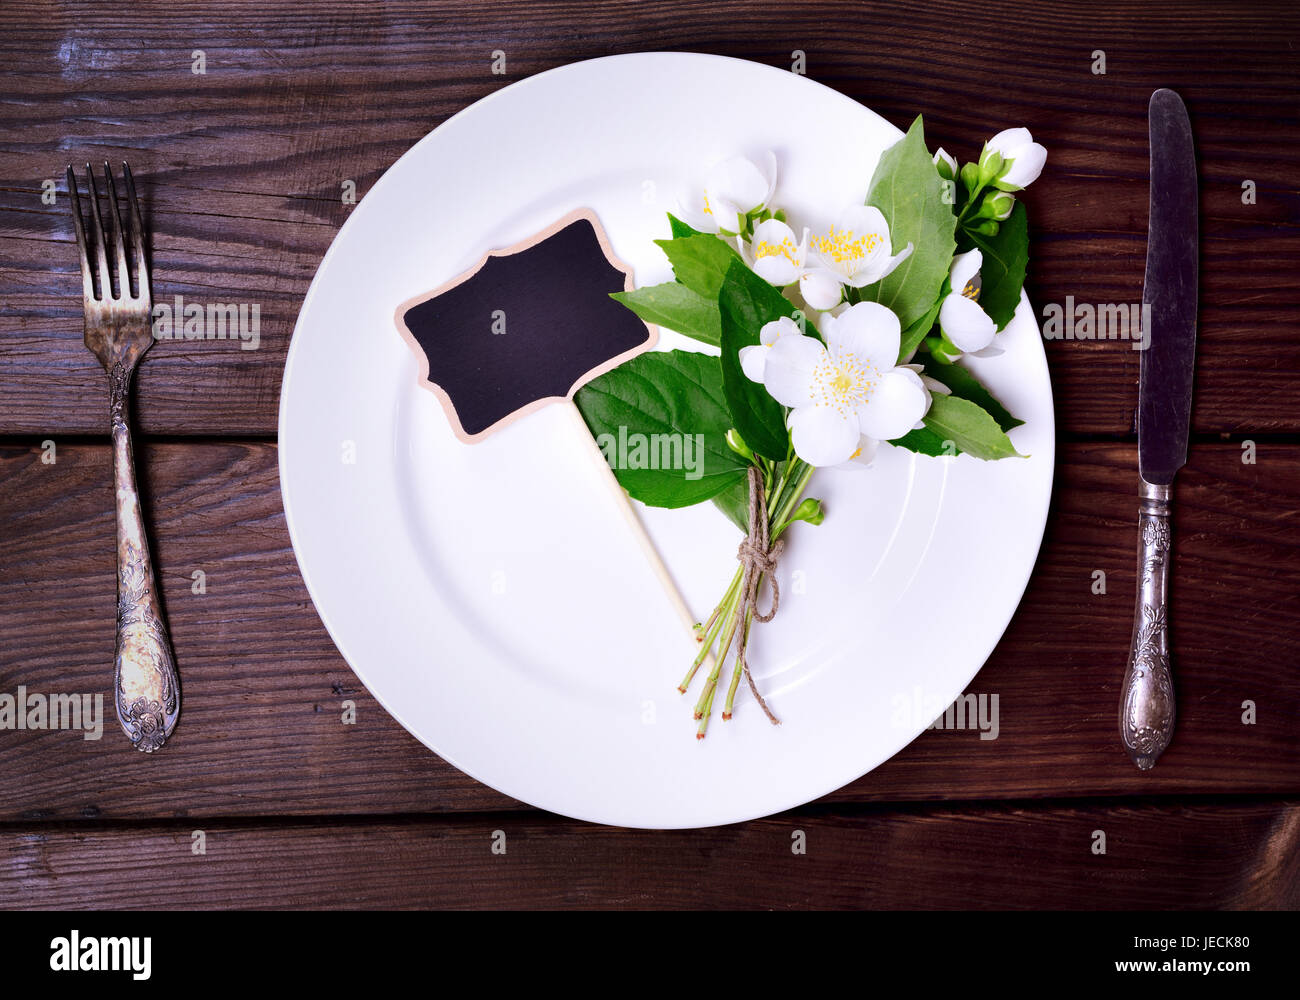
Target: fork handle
[
  {"x": 1146, "y": 708},
  {"x": 147, "y": 692}
]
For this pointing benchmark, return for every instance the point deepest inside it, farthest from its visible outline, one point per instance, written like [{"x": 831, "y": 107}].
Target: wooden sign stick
[
  {"x": 634, "y": 522},
  {"x": 527, "y": 327}
]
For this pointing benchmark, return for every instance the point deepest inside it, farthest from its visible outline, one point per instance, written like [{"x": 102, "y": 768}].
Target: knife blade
[
  {"x": 1169, "y": 296},
  {"x": 1170, "y": 293}
]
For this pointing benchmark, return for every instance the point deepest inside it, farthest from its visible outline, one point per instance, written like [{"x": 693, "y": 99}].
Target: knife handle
[{"x": 1146, "y": 707}]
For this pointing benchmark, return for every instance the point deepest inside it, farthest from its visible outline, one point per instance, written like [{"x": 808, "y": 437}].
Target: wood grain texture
[
  {"x": 241, "y": 172},
  {"x": 261, "y": 732},
  {"x": 241, "y": 169},
  {"x": 1157, "y": 857}
]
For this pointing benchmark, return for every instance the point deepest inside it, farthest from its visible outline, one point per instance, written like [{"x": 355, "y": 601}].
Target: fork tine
[
  {"x": 141, "y": 264},
  {"x": 87, "y": 281},
  {"x": 123, "y": 270},
  {"x": 101, "y": 245}
]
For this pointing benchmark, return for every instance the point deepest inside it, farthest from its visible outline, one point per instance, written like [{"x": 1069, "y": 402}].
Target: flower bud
[
  {"x": 1022, "y": 158},
  {"x": 970, "y": 178},
  {"x": 945, "y": 164},
  {"x": 810, "y": 510},
  {"x": 737, "y": 444},
  {"x": 996, "y": 205},
  {"x": 1001, "y": 205}
]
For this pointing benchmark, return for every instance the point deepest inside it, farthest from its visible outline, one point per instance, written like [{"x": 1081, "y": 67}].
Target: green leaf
[
  {"x": 645, "y": 416},
  {"x": 746, "y": 303},
  {"x": 926, "y": 442},
  {"x": 909, "y": 193},
  {"x": 966, "y": 386},
  {"x": 1002, "y": 273},
  {"x": 917, "y": 332},
  {"x": 734, "y": 502},
  {"x": 676, "y": 307},
  {"x": 681, "y": 228},
  {"x": 700, "y": 261},
  {"x": 967, "y": 425}
]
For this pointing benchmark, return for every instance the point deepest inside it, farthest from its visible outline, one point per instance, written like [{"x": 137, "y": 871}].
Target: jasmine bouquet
[{"x": 828, "y": 345}]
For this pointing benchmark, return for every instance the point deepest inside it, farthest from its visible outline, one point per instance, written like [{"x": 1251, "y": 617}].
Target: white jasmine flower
[
  {"x": 733, "y": 188},
  {"x": 753, "y": 359},
  {"x": 1022, "y": 158},
  {"x": 961, "y": 318},
  {"x": 855, "y": 252},
  {"x": 775, "y": 254},
  {"x": 849, "y": 393}
]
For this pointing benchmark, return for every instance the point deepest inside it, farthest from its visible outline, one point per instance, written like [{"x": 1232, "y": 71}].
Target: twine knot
[{"x": 759, "y": 557}]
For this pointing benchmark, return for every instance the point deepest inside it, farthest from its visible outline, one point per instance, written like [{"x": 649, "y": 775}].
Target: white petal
[
  {"x": 739, "y": 181},
  {"x": 824, "y": 435},
  {"x": 933, "y": 385},
  {"x": 821, "y": 289},
  {"x": 789, "y": 371},
  {"x": 866, "y": 453},
  {"x": 753, "y": 361},
  {"x": 773, "y": 231},
  {"x": 694, "y": 215},
  {"x": 778, "y": 328},
  {"x": 870, "y": 331},
  {"x": 768, "y": 167},
  {"x": 878, "y": 267},
  {"x": 900, "y": 400},
  {"x": 947, "y": 158},
  {"x": 992, "y": 351},
  {"x": 863, "y": 219},
  {"x": 1026, "y": 165},
  {"x": 965, "y": 324},
  {"x": 1009, "y": 140},
  {"x": 726, "y": 215},
  {"x": 776, "y": 270},
  {"x": 964, "y": 267}
]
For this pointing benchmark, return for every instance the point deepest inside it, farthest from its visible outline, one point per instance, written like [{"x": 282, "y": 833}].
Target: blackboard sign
[{"x": 529, "y": 324}]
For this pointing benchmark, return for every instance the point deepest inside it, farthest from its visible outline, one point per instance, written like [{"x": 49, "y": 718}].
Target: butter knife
[{"x": 1147, "y": 710}]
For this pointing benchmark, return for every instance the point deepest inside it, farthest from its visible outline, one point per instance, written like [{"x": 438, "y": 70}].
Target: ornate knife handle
[
  {"x": 1146, "y": 708},
  {"x": 146, "y": 689}
]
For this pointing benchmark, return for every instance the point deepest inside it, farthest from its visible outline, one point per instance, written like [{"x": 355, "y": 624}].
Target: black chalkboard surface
[{"x": 529, "y": 324}]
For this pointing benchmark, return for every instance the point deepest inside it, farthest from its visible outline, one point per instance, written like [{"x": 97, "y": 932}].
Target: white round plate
[{"x": 491, "y": 596}]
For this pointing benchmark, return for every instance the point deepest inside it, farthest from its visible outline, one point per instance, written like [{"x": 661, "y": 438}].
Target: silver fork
[{"x": 118, "y": 332}]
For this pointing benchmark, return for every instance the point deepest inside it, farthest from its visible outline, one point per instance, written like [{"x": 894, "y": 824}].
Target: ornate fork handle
[
  {"x": 147, "y": 691},
  {"x": 1146, "y": 708}
]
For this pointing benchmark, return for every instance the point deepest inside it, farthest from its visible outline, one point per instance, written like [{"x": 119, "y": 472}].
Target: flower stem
[
  {"x": 705, "y": 705},
  {"x": 796, "y": 496},
  {"x": 711, "y": 633},
  {"x": 728, "y": 621},
  {"x": 739, "y": 669}
]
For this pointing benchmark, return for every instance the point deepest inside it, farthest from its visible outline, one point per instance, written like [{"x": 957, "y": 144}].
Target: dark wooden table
[{"x": 241, "y": 169}]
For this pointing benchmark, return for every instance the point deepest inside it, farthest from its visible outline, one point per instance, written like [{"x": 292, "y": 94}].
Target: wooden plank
[
  {"x": 261, "y": 732},
  {"x": 1156, "y": 857},
  {"x": 242, "y": 168}
]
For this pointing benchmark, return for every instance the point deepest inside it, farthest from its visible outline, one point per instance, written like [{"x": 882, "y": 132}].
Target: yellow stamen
[
  {"x": 843, "y": 381},
  {"x": 785, "y": 248},
  {"x": 841, "y": 246}
]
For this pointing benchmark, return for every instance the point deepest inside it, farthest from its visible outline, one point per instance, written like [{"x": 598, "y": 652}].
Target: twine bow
[{"x": 759, "y": 558}]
